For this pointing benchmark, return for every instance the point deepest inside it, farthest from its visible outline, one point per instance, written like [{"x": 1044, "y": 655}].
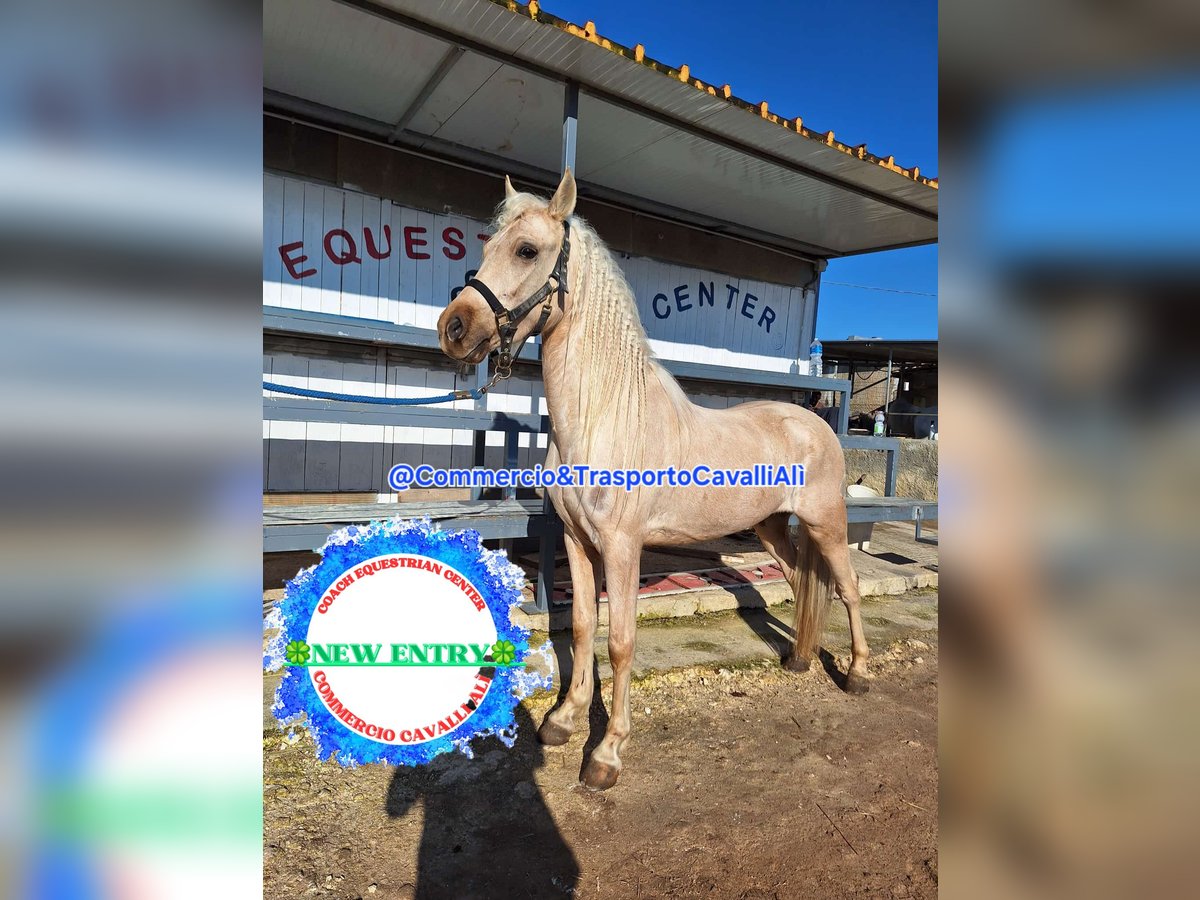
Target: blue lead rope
[{"x": 473, "y": 394}]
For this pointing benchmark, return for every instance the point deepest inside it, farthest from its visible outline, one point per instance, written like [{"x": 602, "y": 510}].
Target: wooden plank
[
  {"x": 887, "y": 501},
  {"x": 285, "y": 469},
  {"x": 376, "y": 331},
  {"x": 362, "y": 512},
  {"x": 331, "y": 272},
  {"x": 425, "y": 294},
  {"x": 358, "y": 469},
  {"x": 313, "y": 235},
  {"x": 352, "y": 274},
  {"x": 323, "y": 439},
  {"x": 273, "y": 273},
  {"x": 440, "y": 295},
  {"x": 889, "y": 509},
  {"x": 403, "y": 276},
  {"x": 310, "y": 536},
  {"x": 301, "y": 499},
  {"x": 374, "y": 271},
  {"x": 436, "y": 442},
  {"x": 293, "y": 230}
]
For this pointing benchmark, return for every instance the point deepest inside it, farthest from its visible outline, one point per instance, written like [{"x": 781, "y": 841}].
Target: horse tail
[{"x": 813, "y": 585}]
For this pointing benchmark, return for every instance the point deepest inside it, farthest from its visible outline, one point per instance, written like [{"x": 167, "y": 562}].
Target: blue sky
[{"x": 866, "y": 69}]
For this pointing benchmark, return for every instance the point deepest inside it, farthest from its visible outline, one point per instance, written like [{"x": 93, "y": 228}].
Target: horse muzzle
[{"x": 464, "y": 334}]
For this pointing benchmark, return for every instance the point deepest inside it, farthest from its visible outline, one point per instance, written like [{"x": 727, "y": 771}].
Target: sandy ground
[{"x": 740, "y": 782}]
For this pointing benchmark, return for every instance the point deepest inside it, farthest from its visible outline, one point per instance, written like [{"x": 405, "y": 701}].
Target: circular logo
[{"x": 399, "y": 646}]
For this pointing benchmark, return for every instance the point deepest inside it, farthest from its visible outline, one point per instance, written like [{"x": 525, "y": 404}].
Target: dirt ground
[{"x": 746, "y": 782}]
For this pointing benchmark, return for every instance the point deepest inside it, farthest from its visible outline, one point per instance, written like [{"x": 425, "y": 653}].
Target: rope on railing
[{"x": 473, "y": 394}]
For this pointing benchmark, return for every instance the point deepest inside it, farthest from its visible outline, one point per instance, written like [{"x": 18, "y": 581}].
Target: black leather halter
[{"x": 507, "y": 320}]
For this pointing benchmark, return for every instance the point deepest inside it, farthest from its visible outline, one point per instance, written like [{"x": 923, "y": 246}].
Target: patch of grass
[
  {"x": 691, "y": 674},
  {"x": 917, "y": 593},
  {"x": 877, "y": 621},
  {"x": 668, "y": 621},
  {"x": 706, "y": 646}
]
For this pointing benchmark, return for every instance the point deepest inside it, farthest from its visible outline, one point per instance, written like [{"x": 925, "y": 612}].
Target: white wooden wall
[{"x": 746, "y": 324}]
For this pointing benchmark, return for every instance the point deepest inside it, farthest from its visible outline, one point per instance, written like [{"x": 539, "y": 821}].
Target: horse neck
[{"x": 572, "y": 363}]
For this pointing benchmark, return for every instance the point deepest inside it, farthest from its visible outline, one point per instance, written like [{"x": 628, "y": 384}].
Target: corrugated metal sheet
[
  {"x": 511, "y": 113},
  {"x": 646, "y": 129},
  {"x": 690, "y": 173},
  {"x": 580, "y": 52},
  {"x": 324, "y": 52}
]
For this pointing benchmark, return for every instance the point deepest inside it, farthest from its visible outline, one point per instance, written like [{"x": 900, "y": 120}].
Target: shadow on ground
[
  {"x": 772, "y": 631},
  {"x": 487, "y": 831}
]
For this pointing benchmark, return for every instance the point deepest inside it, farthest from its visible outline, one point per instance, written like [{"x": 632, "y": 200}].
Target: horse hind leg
[
  {"x": 813, "y": 584},
  {"x": 777, "y": 540},
  {"x": 827, "y": 538}
]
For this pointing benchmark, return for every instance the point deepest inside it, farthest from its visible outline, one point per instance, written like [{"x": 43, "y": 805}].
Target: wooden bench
[{"x": 306, "y": 526}]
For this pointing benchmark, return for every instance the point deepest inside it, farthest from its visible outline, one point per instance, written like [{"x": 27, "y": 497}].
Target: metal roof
[
  {"x": 482, "y": 81},
  {"x": 878, "y": 350},
  {"x": 684, "y": 75}
]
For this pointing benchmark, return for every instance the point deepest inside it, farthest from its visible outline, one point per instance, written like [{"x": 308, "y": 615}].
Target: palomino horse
[{"x": 613, "y": 406}]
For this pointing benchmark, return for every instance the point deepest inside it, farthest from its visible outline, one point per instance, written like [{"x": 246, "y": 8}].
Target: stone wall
[{"x": 916, "y": 469}]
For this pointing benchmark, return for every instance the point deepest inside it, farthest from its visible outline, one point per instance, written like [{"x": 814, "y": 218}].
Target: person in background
[
  {"x": 811, "y": 400},
  {"x": 815, "y": 401}
]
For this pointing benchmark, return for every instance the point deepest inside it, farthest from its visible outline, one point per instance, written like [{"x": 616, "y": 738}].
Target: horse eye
[{"x": 527, "y": 252}]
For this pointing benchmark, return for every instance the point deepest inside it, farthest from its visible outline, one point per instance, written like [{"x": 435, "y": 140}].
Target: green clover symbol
[
  {"x": 503, "y": 652},
  {"x": 297, "y": 653}
]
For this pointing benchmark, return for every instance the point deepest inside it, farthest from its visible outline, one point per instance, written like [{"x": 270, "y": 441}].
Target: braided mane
[{"x": 606, "y": 337}]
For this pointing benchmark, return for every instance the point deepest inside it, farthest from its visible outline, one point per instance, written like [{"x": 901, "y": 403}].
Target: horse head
[{"x": 524, "y": 269}]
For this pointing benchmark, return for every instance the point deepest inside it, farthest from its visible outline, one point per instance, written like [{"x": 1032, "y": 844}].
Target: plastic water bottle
[
  {"x": 815, "y": 363},
  {"x": 879, "y": 424}
]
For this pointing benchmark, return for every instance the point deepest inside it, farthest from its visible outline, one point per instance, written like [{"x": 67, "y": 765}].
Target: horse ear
[
  {"x": 509, "y": 190},
  {"x": 562, "y": 204}
]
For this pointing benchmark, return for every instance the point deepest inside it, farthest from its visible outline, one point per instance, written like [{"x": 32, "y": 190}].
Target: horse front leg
[
  {"x": 585, "y": 580},
  {"x": 621, "y": 569}
]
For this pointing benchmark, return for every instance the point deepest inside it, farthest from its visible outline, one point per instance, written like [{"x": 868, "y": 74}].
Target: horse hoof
[
  {"x": 600, "y": 776},
  {"x": 856, "y": 684},
  {"x": 552, "y": 734},
  {"x": 794, "y": 663}
]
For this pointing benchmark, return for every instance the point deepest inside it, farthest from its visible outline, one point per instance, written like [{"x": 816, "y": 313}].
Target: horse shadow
[
  {"x": 487, "y": 830},
  {"x": 778, "y": 635}
]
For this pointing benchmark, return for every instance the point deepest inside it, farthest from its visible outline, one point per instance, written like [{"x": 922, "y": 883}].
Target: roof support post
[
  {"x": 887, "y": 392},
  {"x": 570, "y": 126},
  {"x": 844, "y": 408},
  {"x": 549, "y": 542}
]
